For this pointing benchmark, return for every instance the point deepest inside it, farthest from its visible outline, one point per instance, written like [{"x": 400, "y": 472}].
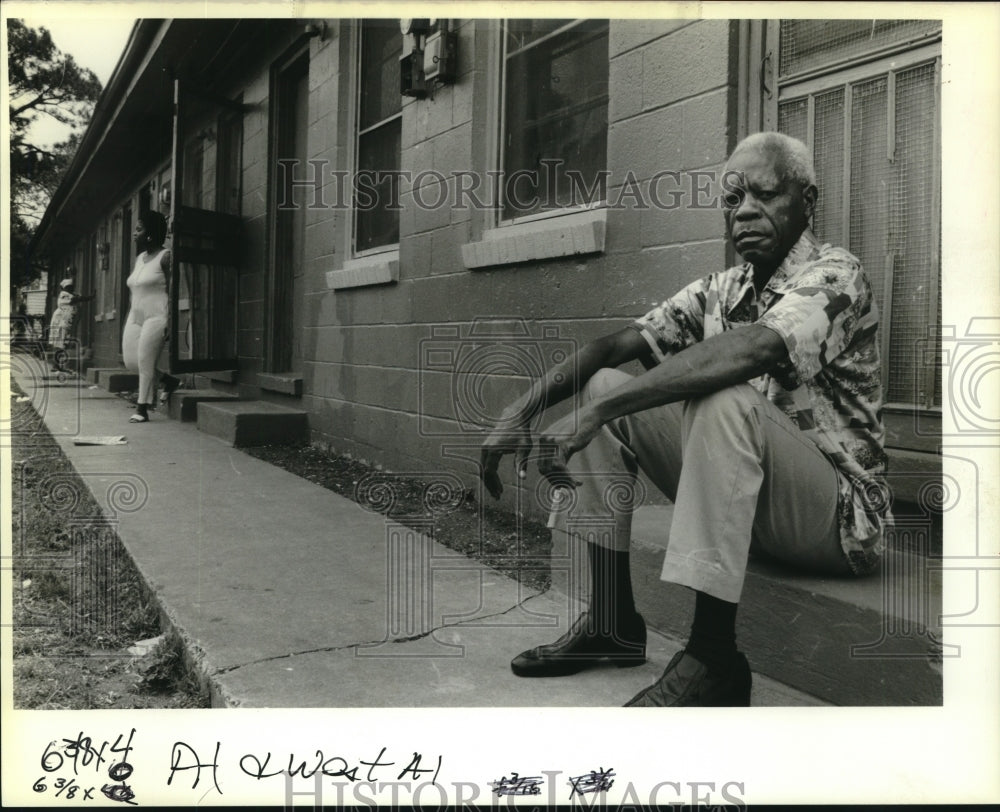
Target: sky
[{"x": 94, "y": 43}]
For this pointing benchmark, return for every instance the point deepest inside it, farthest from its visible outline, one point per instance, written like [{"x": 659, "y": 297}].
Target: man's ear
[{"x": 809, "y": 195}]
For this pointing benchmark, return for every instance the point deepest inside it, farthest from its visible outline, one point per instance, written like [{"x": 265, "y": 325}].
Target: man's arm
[
  {"x": 512, "y": 435},
  {"x": 566, "y": 379},
  {"x": 729, "y": 358}
]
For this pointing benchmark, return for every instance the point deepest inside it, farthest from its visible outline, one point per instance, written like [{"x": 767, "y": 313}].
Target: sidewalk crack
[{"x": 346, "y": 646}]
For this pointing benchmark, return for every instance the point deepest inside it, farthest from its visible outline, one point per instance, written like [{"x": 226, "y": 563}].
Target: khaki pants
[{"x": 736, "y": 468}]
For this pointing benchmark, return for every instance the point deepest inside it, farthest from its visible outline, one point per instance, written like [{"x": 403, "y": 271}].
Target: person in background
[
  {"x": 63, "y": 320},
  {"x": 146, "y": 327}
]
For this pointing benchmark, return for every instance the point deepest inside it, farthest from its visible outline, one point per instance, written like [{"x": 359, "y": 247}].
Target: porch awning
[{"x": 131, "y": 130}]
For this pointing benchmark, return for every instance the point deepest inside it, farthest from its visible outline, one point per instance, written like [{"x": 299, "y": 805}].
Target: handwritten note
[
  {"x": 122, "y": 766},
  {"x": 594, "y": 781},
  {"x": 599, "y": 780},
  {"x": 518, "y": 785},
  {"x": 88, "y": 760}
]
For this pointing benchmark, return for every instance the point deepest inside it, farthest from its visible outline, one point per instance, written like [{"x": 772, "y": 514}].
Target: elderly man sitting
[{"x": 759, "y": 415}]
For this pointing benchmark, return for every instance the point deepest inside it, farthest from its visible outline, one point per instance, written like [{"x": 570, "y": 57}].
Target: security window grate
[
  {"x": 874, "y": 143},
  {"x": 809, "y": 44}
]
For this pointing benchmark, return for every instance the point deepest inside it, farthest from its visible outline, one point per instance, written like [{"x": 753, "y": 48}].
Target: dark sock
[
  {"x": 141, "y": 409},
  {"x": 611, "y": 600},
  {"x": 713, "y": 632}
]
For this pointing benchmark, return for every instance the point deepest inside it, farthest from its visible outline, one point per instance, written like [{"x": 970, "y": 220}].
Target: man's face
[{"x": 765, "y": 215}]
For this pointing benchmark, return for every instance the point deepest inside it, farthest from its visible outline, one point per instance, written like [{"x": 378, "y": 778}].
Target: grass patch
[{"x": 79, "y": 601}]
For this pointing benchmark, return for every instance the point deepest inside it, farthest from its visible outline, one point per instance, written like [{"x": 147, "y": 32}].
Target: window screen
[
  {"x": 807, "y": 44},
  {"x": 379, "y": 136}
]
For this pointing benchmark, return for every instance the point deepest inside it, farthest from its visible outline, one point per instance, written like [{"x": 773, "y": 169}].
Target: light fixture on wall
[
  {"x": 411, "y": 62},
  {"x": 316, "y": 29}
]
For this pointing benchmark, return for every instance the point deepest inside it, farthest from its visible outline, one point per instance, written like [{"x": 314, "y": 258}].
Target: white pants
[
  {"x": 142, "y": 342},
  {"x": 736, "y": 467}
]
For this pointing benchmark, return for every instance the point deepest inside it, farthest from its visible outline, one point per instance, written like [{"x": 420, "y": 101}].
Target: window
[
  {"x": 376, "y": 223},
  {"x": 864, "y": 94},
  {"x": 554, "y": 131}
]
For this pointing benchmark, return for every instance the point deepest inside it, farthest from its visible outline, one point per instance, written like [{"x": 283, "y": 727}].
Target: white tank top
[{"x": 148, "y": 286}]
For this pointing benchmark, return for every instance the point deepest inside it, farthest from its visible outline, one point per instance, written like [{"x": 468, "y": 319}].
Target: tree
[{"x": 43, "y": 82}]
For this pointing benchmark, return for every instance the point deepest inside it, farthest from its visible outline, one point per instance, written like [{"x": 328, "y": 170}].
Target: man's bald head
[{"x": 791, "y": 157}]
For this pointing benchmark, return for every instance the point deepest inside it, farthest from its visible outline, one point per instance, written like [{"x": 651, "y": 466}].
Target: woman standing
[
  {"x": 146, "y": 327},
  {"x": 61, "y": 327}
]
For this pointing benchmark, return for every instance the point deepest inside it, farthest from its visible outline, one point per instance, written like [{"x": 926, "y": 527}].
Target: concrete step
[
  {"x": 183, "y": 403},
  {"x": 852, "y": 641},
  {"x": 249, "y": 423},
  {"x": 94, "y": 373},
  {"x": 113, "y": 379}
]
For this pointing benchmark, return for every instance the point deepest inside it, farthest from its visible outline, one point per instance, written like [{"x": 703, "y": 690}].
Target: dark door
[
  {"x": 229, "y": 163},
  {"x": 127, "y": 261},
  {"x": 206, "y": 247},
  {"x": 290, "y": 120}
]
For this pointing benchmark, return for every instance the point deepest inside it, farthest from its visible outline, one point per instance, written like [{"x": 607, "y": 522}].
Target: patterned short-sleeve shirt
[{"x": 819, "y": 301}]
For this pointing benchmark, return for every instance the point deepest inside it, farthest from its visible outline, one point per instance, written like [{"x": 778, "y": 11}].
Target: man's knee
[
  {"x": 603, "y": 381},
  {"x": 731, "y": 403}
]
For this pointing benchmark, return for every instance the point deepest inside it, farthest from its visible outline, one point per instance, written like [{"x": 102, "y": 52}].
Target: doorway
[
  {"x": 127, "y": 260},
  {"x": 289, "y": 129}
]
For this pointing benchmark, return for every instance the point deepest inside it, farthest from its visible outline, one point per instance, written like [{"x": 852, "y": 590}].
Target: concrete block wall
[
  {"x": 326, "y": 224},
  {"x": 373, "y": 390},
  {"x": 250, "y": 315}
]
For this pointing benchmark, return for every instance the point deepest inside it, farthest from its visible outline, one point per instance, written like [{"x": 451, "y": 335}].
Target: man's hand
[
  {"x": 510, "y": 436},
  {"x": 562, "y": 440}
]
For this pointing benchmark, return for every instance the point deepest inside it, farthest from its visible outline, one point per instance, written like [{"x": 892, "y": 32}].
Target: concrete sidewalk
[{"x": 289, "y": 595}]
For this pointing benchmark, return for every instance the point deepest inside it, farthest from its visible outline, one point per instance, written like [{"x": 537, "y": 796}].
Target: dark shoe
[
  {"x": 687, "y": 682},
  {"x": 168, "y": 385},
  {"x": 581, "y": 647}
]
